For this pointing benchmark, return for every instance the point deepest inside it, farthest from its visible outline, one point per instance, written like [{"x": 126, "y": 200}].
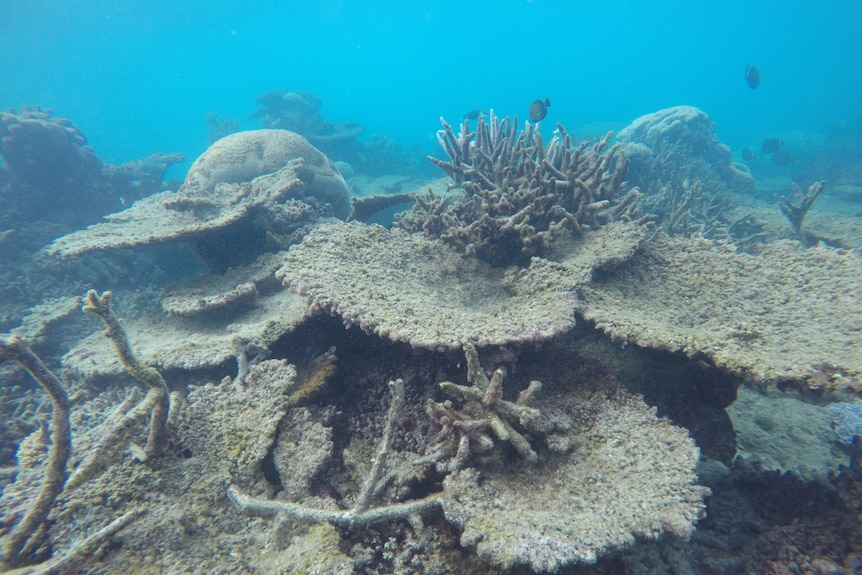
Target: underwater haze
[
  {"x": 139, "y": 77},
  {"x": 602, "y": 319}
]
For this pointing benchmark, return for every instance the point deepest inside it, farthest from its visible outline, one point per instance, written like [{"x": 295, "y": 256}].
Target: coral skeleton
[
  {"x": 483, "y": 416},
  {"x": 156, "y": 403},
  {"x": 20, "y": 542},
  {"x": 519, "y": 194},
  {"x": 362, "y": 513},
  {"x": 23, "y": 543},
  {"x": 796, "y": 212}
]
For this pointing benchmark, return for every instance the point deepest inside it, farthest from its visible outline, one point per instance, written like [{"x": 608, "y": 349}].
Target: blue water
[{"x": 139, "y": 77}]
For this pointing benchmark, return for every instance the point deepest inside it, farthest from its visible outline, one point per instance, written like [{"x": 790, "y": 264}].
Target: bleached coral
[
  {"x": 519, "y": 195},
  {"x": 628, "y": 475}
]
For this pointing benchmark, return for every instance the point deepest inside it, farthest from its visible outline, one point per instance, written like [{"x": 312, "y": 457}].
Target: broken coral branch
[
  {"x": 20, "y": 543},
  {"x": 362, "y": 513},
  {"x": 796, "y": 212}
]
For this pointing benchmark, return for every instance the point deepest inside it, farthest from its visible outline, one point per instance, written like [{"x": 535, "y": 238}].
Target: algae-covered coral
[
  {"x": 520, "y": 195},
  {"x": 272, "y": 460}
]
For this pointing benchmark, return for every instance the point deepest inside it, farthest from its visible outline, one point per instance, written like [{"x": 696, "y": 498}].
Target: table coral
[
  {"x": 407, "y": 287},
  {"x": 786, "y": 315},
  {"x": 628, "y": 475},
  {"x": 247, "y": 191}
]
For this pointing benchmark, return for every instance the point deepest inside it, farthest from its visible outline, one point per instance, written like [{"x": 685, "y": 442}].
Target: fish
[
  {"x": 539, "y": 109},
  {"x": 771, "y": 145},
  {"x": 474, "y": 115},
  {"x": 752, "y": 76},
  {"x": 782, "y": 158},
  {"x": 748, "y": 154}
]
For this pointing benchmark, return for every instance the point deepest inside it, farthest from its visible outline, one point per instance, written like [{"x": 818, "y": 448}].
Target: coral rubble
[{"x": 520, "y": 195}]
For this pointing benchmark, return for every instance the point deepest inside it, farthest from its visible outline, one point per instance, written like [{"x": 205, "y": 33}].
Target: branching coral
[
  {"x": 20, "y": 542},
  {"x": 796, "y": 213},
  {"x": 23, "y": 543},
  {"x": 520, "y": 194},
  {"x": 362, "y": 513},
  {"x": 484, "y": 413}
]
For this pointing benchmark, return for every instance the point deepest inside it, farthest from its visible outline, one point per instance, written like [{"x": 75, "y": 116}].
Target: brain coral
[{"x": 243, "y": 156}]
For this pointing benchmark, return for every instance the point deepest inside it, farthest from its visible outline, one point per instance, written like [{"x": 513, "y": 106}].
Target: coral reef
[
  {"x": 247, "y": 188},
  {"x": 300, "y": 112},
  {"x": 676, "y": 143},
  {"x": 686, "y": 176},
  {"x": 44, "y": 152},
  {"x": 626, "y": 475},
  {"x": 786, "y": 315},
  {"x": 54, "y": 176},
  {"x": 519, "y": 195},
  {"x": 407, "y": 287}
]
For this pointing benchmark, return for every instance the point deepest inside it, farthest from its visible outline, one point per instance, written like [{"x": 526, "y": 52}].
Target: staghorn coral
[
  {"x": 23, "y": 540},
  {"x": 25, "y": 536},
  {"x": 796, "y": 213},
  {"x": 484, "y": 413},
  {"x": 156, "y": 399},
  {"x": 519, "y": 195},
  {"x": 362, "y": 513}
]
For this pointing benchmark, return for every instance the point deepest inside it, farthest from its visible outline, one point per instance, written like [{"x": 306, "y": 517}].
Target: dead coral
[
  {"x": 519, "y": 194},
  {"x": 245, "y": 188},
  {"x": 484, "y": 415},
  {"x": 796, "y": 212},
  {"x": 23, "y": 540},
  {"x": 626, "y": 475},
  {"x": 778, "y": 316},
  {"x": 406, "y": 287},
  {"x": 362, "y": 513}
]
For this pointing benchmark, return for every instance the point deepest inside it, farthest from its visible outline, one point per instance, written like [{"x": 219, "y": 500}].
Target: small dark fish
[
  {"x": 771, "y": 145},
  {"x": 474, "y": 115},
  {"x": 752, "y": 76},
  {"x": 782, "y": 158},
  {"x": 748, "y": 154},
  {"x": 539, "y": 109}
]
